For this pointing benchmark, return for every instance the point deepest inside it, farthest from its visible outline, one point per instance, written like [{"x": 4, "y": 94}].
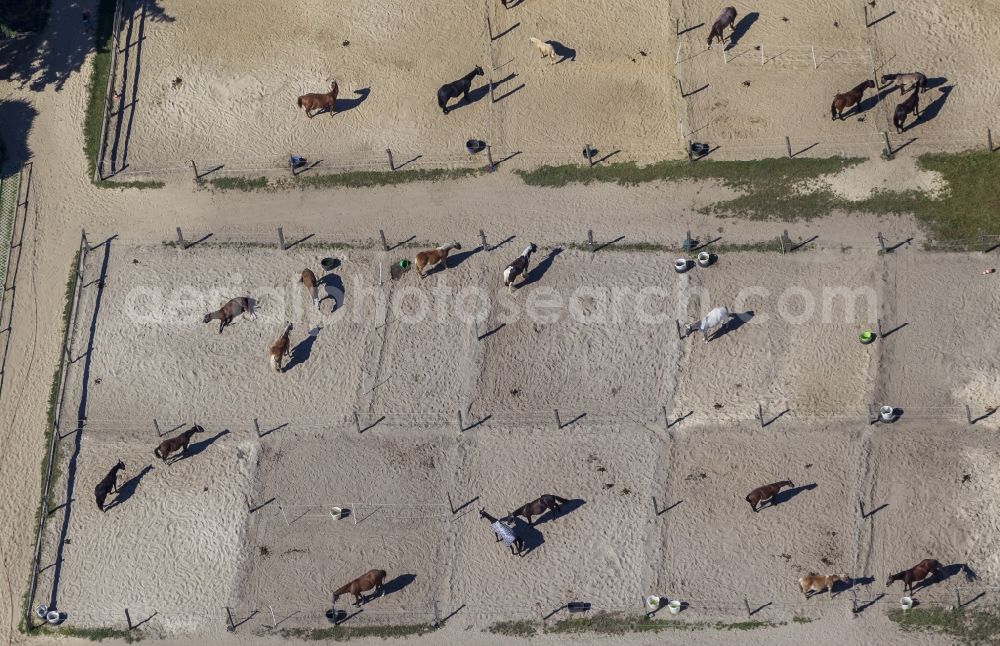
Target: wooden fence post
[
  {"x": 989, "y": 139},
  {"x": 281, "y": 239},
  {"x": 392, "y": 165},
  {"x": 180, "y": 238},
  {"x": 381, "y": 234},
  {"x": 558, "y": 421},
  {"x": 788, "y": 146}
]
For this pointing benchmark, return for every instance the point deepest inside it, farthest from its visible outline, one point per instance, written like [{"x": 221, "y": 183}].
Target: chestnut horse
[
  {"x": 180, "y": 442},
  {"x": 433, "y": 257},
  {"x": 843, "y": 101},
  {"x": 229, "y": 311},
  {"x": 319, "y": 102},
  {"x": 765, "y": 493},
  {"x": 915, "y": 574},
  {"x": 726, "y": 19},
  {"x": 537, "y": 507},
  {"x": 367, "y": 581},
  {"x": 308, "y": 280},
  {"x": 280, "y": 348}
]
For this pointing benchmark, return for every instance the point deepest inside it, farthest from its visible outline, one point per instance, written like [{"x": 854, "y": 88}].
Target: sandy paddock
[
  {"x": 236, "y": 103},
  {"x": 748, "y": 107},
  {"x": 588, "y": 352}
]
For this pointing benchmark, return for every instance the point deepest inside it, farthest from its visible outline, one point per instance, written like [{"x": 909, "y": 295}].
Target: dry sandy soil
[{"x": 243, "y": 520}]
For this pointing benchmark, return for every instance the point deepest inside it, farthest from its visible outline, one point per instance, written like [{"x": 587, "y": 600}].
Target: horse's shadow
[
  {"x": 948, "y": 571},
  {"x": 535, "y": 273},
  {"x": 567, "y": 507},
  {"x": 935, "y": 82},
  {"x": 459, "y": 258},
  {"x": 197, "y": 447},
  {"x": 562, "y": 51},
  {"x": 533, "y": 539},
  {"x": 471, "y": 97},
  {"x": 735, "y": 322},
  {"x": 333, "y": 286},
  {"x": 302, "y": 350},
  {"x": 788, "y": 494},
  {"x": 398, "y": 583},
  {"x": 858, "y": 582},
  {"x": 343, "y": 105},
  {"x": 869, "y": 102},
  {"x": 127, "y": 489},
  {"x": 934, "y": 107},
  {"x": 741, "y": 28}
]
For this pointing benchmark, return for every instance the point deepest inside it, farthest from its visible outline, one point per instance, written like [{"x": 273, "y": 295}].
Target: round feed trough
[
  {"x": 906, "y": 603},
  {"x": 887, "y": 414},
  {"x": 866, "y": 337},
  {"x": 41, "y": 611},
  {"x": 652, "y": 602},
  {"x": 337, "y": 513},
  {"x": 473, "y": 146},
  {"x": 54, "y": 617},
  {"x": 329, "y": 264},
  {"x": 704, "y": 259},
  {"x": 674, "y": 607},
  {"x": 681, "y": 265}
]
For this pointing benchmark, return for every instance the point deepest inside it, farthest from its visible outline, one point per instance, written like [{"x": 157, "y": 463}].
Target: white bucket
[
  {"x": 681, "y": 265},
  {"x": 652, "y": 602},
  {"x": 887, "y": 413},
  {"x": 336, "y": 513},
  {"x": 704, "y": 259},
  {"x": 906, "y": 603},
  {"x": 674, "y": 607},
  {"x": 53, "y": 617}
]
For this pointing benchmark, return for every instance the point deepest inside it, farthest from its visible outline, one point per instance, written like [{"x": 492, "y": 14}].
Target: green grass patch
[
  {"x": 520, "y": 628},
  {"x": 966, "y": 626},
  {"x": 345, "y": 633},
  {"x": 352, "y": 179},
  {"x": 97, "y": 634},
  {"x": 239, "y": 183},
  {"x": 799, "y": 619},
  {"x": 616, "y": 624}
]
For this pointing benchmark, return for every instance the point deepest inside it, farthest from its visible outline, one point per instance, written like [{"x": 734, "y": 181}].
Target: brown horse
[
  {"x": 765, "y": 493},
  {"x": 726, "y": 19},
  {"x": 433, "y": 257},
  {"x": 232, "y": 309},
  {"x": 319, "y": 102},
  {"x": 539, "y": 506},
  {"x": 909, "y": 104},
  {"x": 915, "y": 574},
  {"x": 367, "y": 581},
  {"x": 180, "y": 442},
  {"x": 843, "y": 101},
  {"x": 280, "y": 348},
  {"x": 503, "y": 533},
  {"x": 107, "y": 485},
  {"x": 308, "y": 279}
]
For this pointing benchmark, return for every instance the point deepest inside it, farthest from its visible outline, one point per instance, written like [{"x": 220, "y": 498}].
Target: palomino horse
[
  {"x": 504, "y": 533},
  {"x": 915, "y": 574},
  {"x": 455, "y": 88},
  {"x": 180, "y": 442},
  {"x": 539, "y": 506},
  {"x": 918, "y": 80},
  {"x": 519, "y": 267},
  {"x": 843, "y": 101},
  {"x": 908, "y": 105},
  {"x": 433, "y": 257},
  {"x": 280, "y": 348},
  {"x": 726, "y": 19},
  {"x": 716, "y": 318},
  {"x": 367, "y": 581},
  {"x": 319, "y": 102},
  {"x": 107, "y": 485},
  {"x": 765, "y": 493},
  {"x": 814, "y": 583},
  {"x": 232, "y": 309},
  {"x": 308, "y": 280}
]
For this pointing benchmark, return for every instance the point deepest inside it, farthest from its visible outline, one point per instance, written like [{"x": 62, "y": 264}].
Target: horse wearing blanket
[{"x": 716, "y": 318}]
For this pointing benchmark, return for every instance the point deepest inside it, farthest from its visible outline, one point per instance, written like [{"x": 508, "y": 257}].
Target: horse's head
[
  {"x": 478, "y": 71},
  {"x": 886, "y": 79},
  {"x": 869, "y": 83},
  {"x": 208, "y": 317},
  {"x": 892, "y": 578},
  {"x": 120, "y": 465},
  {"x": 197, "y": 429}
]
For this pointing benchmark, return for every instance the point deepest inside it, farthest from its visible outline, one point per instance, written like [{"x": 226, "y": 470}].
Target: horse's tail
[
  {"x": 833, "y": 109},
  {"x": 156, "y": 452},
  {"x": 276, "y": 362},
  {"x": 300, "y": 102},
  {"x": 748, "y": 499}
]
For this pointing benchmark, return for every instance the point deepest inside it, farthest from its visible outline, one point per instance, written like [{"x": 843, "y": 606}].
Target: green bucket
[{"x": 866, "y": 337}]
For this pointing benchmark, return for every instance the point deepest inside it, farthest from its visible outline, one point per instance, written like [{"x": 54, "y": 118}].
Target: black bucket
[
  {"x": 329, "y": 264},
  {"x": 474, "y": 146},
  {"x": 699, "y": 150}
]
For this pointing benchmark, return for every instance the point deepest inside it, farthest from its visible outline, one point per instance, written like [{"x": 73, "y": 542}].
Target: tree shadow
[
  {"x": 398, "y": 583},
  {"x": 934, "y": 107},
  {"x": 333, "y": 286},
  {"x": 535, "y": 273},
  {"x": 16, "y": 116},
  {"x": 198, "y": 447},
  {"x": 121, "y": 124},
  {"x": 562, "y": 51},
  {"x": 741, "y": 28},
  {"x": 128, "y": 488},
  {"x": 568, "y": 507},
  {"x": 303, "y": 349},
  {"x": 787, "y": 494},
  {"x": 343, "y": 105}
]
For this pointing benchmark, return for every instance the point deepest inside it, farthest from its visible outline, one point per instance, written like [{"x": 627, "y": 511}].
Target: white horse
[{"x": 716, "y": 318}]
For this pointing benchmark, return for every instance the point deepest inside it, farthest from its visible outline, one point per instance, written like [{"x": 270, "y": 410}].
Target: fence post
[
  {"x": 666, "y": 420},
  {"x": 490, "y": 166},
  {"x": 590, "y": 239},
  {"x": 195, "y": 167},
  {"x": 655, "y": 512},
  {"x": 989, "y": 139},
  {"x": 180, "y": 238},
  {"x": 680, "y": 89},
  {"x": 274, "y": 620},
  {"x": 357, "y": 422},
  {"x": 871, "y": 419},
  {"x": 128, "y": 619},
  {"x": 677, "y": 26},
  {"x": 437, "y": 616},
  {"x": 725, "y": 59},
  {"x": 958, "y": 597},
  {"x": 590, "y": 153},
  {"x": 968, "y": 414},
  {"x": 256, "y": 426},
  {"x": 813, "y": 47},
  {"x": 281, "y": 239},
  {"x": 881, "y": 241},
  {"x": 157, "y": 427},
  {"x": 788, "y": 146},
  {"x": 982, "y": 240},
  {"x": 866, "y": 15},
  {"x": 451, "y": 505},
  {"x": 392, "y": 165},
  {"x": 461, "y": 424},
  {"x": 482, "y": 240},
  {"x": 888, "y": 146},
  {"x": 229, "y": 617},
  {"x": 762, "y": 53},
  {"x": 381, "y": 234},
  {"x": 760, "y": 414},
  {"x": 878, "y": 324},
  {"x": 558, "y": 421},
  {"x": 747, "y": 604}
]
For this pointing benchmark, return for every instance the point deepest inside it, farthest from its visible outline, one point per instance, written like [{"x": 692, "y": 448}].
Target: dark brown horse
[
  {"x": 367, "y": 581},
  {"x": 107, "y": 485},
  {"x": 539, "y": 506},
  {"x": 909, "y": 104},
  {"x": 726, "y": 19},
  {"x": 765, "y": 493},
  {"x": 180, "y": 442},
  {"x": 504, "y": 533},
  {"x": 915, "y": 574},
  {"x": 843, "y": 101},
  {"x": 229, "y": 311},
  {"x": 319, "y": 102}
]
